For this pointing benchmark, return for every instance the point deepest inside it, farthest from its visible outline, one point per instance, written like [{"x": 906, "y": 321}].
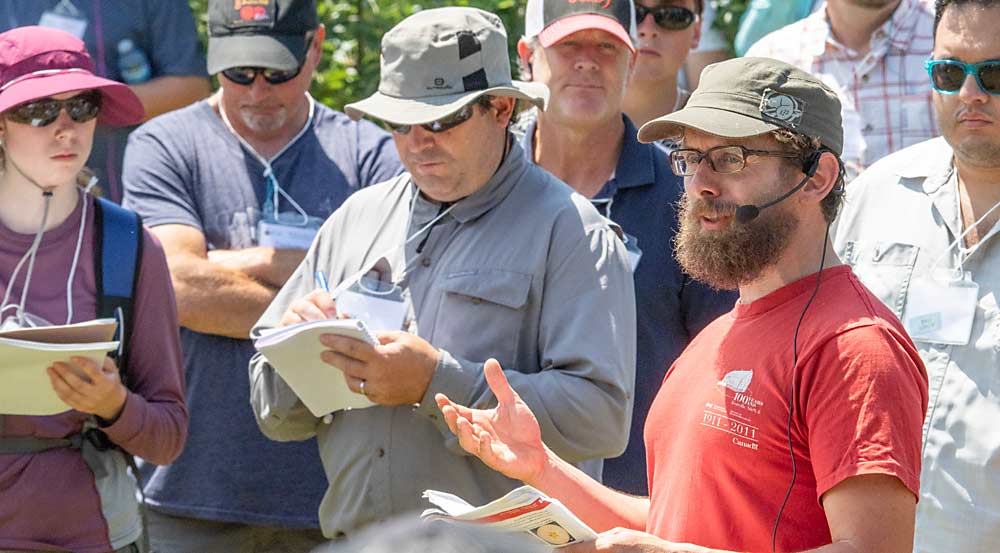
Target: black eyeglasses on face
[
  {"x": 671, "y": 18},
  {"x": 722, "y": 159},
  {"x": 39, "y": 113},
  {"x": 246, "y": 75},
  {"x": 445, "y": 123}
]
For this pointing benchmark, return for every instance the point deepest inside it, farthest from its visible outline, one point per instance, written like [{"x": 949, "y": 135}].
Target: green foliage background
[{"x": 354, "y": 29}]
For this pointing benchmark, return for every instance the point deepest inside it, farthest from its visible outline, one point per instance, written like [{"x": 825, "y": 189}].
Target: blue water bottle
[{"x": 133, "y": 65}]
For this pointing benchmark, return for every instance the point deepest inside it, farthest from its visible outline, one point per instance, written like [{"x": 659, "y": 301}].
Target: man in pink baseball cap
[{"x": 585, "y": 53}]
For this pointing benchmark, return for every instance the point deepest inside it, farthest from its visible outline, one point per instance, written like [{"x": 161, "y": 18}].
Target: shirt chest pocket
[
  {"x": 886, "y": 268},
  {"x": 482, "y": 313}
]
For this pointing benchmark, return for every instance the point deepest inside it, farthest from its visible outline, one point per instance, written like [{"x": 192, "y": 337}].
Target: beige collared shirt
[
  {"x": 524, "y": 270},
  {"x": 899, "y": 218}
]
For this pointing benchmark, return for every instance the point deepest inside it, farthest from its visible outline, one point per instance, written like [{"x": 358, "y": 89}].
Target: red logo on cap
[
  {"x": 251, "y": 10},
  {"x": 604, "y": 3}
]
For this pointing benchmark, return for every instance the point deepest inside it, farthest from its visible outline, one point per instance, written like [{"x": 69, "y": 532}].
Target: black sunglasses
[
  {"x": 39, "y": 113},
  {"x": 671, "y": 18},
  {"x": 246, "y": 75},
  {"x": 443, "y": 124}
]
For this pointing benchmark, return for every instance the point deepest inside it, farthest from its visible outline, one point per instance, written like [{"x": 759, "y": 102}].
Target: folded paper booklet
[
  {"x": 26, "y": 353},
  {"x": 522, "y": 510},
  {"x": 294, "y": 351}
]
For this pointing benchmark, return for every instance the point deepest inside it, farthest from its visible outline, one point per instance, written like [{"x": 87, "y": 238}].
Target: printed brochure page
[{"x": 522, "y": 510}]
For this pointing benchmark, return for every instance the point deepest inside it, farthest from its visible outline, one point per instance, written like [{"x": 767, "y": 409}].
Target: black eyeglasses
[
  {"x": 671, "y": 18},
  {"x": 722, "y": 159},
  {"x": 40, "y": 113},
  {"x": 948, "y": 76},
  {"x": 246, "y": 75},
  {"x": 445, "y": 123}
]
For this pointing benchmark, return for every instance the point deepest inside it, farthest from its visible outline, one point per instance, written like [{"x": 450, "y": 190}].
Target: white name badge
[
  {"x": 378, "y": 313},
  {"x": 75, "y": 26},
  {"x": 940, "y": 308},
  {"x": 276, "y": 235}
]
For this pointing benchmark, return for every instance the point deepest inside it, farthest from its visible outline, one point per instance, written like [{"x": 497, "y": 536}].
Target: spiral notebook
[{"x": 294, "y": 351}]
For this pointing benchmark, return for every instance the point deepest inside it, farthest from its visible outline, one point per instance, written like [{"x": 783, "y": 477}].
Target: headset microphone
[{"x": 749, "y": 212}]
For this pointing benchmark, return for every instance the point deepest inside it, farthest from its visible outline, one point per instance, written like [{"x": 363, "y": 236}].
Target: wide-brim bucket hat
[
  {"x": 39, "y": 62},
  {"x": 436, "y": 61}
]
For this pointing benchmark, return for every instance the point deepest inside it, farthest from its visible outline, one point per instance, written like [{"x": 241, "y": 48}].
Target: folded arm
[{"x": 218, "y": 297}]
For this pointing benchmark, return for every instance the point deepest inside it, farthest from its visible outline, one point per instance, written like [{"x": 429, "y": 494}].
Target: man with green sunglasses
[{"x": 922, "y": 229}]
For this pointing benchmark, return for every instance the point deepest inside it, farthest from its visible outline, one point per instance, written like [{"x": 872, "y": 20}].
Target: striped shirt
[{"x": 885, "y": 93}]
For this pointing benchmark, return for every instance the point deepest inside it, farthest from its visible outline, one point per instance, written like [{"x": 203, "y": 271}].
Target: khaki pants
[{"x": 170, "y": 534}]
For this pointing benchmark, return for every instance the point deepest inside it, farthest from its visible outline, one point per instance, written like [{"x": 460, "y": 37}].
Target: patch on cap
[
  {"x": 781, "y": 109},
  {"x": 251, "y": 13}
]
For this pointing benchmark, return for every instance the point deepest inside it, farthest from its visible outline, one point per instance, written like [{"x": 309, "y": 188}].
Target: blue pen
[{"x": 321, "y": 281}]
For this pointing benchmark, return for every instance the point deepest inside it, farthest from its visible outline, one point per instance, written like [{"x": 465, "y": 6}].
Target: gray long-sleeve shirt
[{"x": 523, "y": 270}]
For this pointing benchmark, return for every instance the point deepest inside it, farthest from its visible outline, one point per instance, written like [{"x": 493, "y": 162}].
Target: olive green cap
[{"x": 745, "y": 97}]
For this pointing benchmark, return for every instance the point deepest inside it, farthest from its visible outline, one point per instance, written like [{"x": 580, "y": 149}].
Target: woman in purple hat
[{"x": 64, "y": 483}]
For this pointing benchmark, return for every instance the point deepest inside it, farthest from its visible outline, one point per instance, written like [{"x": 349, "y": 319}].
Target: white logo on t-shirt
[{"x": 737, "y": 381}]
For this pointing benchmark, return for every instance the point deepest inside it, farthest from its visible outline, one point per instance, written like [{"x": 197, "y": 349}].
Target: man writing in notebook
[
  {"x": 486, "y": 255},
  {"x": 235, "y": 187}
]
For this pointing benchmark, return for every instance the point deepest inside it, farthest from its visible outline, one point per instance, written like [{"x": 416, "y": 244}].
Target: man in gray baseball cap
[
  {"x": 473, "y": 254},
  {"x": 792, "y": 423}
]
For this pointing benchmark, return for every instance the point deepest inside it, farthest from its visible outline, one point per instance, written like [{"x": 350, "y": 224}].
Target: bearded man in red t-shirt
[{"x": 791, "y": 423}]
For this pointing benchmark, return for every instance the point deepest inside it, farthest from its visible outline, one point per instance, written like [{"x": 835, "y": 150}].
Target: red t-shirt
[{"x": 717, "y": 438}]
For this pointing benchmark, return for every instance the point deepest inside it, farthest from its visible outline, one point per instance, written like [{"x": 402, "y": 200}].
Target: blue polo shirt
[{"x": 671, "y": 308}]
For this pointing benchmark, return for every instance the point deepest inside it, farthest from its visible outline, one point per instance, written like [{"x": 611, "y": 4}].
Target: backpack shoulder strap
[{"x": 118, "y": 254}]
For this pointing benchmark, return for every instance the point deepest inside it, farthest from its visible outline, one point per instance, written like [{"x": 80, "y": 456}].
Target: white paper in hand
[
  {"x": 26, "y": 388},
  {"x": 524, "y": 509},
  {"x": 294, "y": 351}
]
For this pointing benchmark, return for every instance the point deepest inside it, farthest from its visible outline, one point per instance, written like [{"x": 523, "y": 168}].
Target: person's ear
[
  {"x": 316, "y": 48},
  {"x": 505, "y": 109},
  {"x": 826, "y": 175},
  {"x": 696, "y": 35},
  {"x": 525, "y": 53}
]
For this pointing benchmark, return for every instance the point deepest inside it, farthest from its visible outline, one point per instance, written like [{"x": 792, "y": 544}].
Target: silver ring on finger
[{"x": 362, "y": 386}]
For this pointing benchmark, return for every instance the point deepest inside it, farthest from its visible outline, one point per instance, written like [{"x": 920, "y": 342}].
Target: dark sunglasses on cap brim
[
  {"x": 948, "y": 76},
  {"x": 38, "y": 113},
  {"x": 670, "y": 18}
]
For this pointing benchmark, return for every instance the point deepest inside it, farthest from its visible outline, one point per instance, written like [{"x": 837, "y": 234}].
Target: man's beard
[
  {"x": 726, "y": 258},
  {"x": 264, "y": 123}
]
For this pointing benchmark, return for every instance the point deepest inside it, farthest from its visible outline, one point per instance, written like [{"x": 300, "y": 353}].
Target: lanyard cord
[
  {"x": 76, "y": 253},
  {"x": 963, "y": 253},
  {"x": 29, "y": 256},
  {"x": 33, "y": 251},
  {"x": 273, "y": 188}
]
